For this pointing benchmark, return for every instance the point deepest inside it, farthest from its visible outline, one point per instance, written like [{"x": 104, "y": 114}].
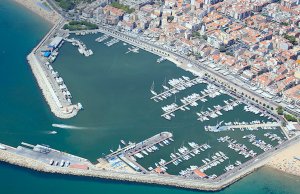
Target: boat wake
[{"x": 63, "y": 126}]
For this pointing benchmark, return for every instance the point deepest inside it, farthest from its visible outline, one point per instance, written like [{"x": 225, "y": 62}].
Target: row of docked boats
[
  {"x": 152, "y": 148},
  {"x": 161, "y": 59},
  {"x": 255, "y": 110},
  {"x": 216, "y": 111},
  {"x": 274, "y": 137},
  {"x": 190, "y": 100},
  {"x": 258, "y": 143},
  {"x": 112, "y": 42},
  {"x": 174, "y": 86},
  {"x": 183, "y": 154},
  {"x": 82, "y": 49},
  {"x": 232, "y": 166},
  {"x": 102, "y": 38},
  {"x": 82, "y": 33},
  {"x": 133, "y": 49},
  {"x": 240, "y": 148},
  {"x": 208, "y": 163}
]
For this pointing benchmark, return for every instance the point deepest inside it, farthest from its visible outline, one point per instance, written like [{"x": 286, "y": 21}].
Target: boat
[
  {"x": 123, "y": 142},
  {"x": 160, "y": 60}
]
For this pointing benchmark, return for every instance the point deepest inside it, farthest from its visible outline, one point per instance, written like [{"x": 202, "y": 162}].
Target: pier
[{"x": 253, "y": 126}]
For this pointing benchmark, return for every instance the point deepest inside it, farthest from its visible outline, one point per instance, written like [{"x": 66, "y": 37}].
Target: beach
[
  {"x": 42, "y": 10},
  {"x": 285, "y": 161}
]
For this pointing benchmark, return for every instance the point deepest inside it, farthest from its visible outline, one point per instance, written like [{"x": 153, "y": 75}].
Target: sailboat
[{"x": 152, "y": 89}]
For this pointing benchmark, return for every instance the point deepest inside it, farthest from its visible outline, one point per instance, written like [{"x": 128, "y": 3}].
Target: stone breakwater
[
  {"x": 166, "y": 180},
  {"x": 47, "y": 90}
]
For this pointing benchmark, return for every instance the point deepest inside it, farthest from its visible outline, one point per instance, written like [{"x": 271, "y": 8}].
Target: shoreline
[
  {"x": 50, "y": 16},
  {"x": 284, "y": 161}
]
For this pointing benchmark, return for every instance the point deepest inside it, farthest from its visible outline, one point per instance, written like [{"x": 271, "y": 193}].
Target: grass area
[
  {"x": 125, "y": 8},
  {"x": 291, "y": 39},
  {"x": 289, "y": 117},
  {"x": 80, "y": 25}
]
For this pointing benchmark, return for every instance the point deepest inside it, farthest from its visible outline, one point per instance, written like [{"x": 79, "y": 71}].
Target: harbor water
[{"x": 114, "y": 90}]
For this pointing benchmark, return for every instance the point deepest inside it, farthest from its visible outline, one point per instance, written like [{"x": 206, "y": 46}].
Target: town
[{"x": 254, "y": 43}]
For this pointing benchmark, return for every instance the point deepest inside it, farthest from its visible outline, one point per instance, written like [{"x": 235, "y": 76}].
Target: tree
[
  {"x": 291, "y": 118},
  {"x": 280, "y": 110}
]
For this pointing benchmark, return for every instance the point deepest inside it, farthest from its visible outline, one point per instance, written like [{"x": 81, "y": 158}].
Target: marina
[
  {"x": 120, "y": 111},
  {"x": 198, "y": 92}
]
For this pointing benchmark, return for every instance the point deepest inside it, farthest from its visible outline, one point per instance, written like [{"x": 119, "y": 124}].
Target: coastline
[{"x": 50, "y": 16}]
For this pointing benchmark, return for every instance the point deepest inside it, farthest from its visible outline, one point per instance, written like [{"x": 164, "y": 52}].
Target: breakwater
[
  {"x": 50, "y": 90},
  {"x": 169, "y": 180}
]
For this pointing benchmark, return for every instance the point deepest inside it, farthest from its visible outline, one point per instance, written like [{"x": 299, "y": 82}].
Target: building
[{"x": 56, "y": 42}]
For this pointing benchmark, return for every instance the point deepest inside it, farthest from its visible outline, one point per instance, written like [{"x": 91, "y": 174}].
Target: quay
[
  {"x": 253, "y": 126},
  {"x": 244, "y": 126}
]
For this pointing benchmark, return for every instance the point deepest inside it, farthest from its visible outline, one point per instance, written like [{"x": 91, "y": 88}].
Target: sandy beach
[
  {"x": 37, "y": 7},
  {"x": 285, "y": 161}
]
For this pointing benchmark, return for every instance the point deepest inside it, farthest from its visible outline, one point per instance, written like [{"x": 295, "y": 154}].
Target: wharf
[{"x": 249, "y": 126}]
